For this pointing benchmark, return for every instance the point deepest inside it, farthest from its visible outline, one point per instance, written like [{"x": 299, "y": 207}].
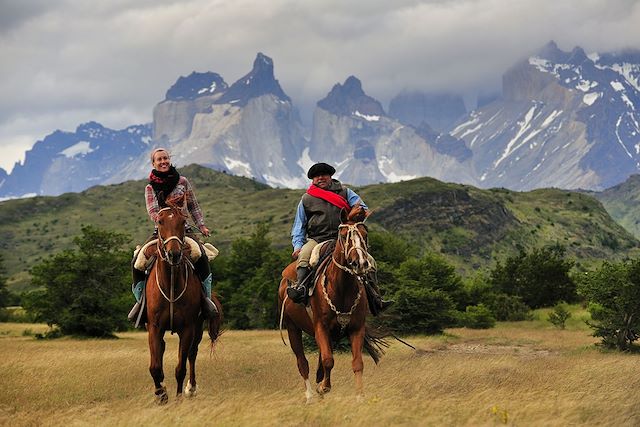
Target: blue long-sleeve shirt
[{"x": 299, "y": 229}]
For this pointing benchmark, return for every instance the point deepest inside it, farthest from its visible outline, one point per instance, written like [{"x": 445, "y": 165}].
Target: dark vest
[{"x": 323, "y": 218}]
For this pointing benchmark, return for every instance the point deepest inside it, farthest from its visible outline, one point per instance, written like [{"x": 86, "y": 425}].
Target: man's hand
[{"x": 295, "y": 254}]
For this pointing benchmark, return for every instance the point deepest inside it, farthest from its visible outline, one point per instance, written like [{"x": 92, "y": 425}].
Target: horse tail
[
  {"x": 215, "y": 324},
  {"x": 375, "y": 342}
]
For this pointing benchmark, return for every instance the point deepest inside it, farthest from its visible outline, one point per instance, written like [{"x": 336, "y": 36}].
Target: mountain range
[{"x": 563, "y": 119}]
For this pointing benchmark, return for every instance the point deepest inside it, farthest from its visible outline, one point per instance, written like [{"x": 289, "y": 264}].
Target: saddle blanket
[{"x": 142, "y": 254}]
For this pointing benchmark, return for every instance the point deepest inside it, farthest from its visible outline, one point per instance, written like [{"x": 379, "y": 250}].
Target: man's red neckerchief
[{"x": 329, "y": 196}]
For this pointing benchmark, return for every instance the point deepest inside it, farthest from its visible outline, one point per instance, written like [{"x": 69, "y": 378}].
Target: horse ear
[{"x": 344, "y": 215}]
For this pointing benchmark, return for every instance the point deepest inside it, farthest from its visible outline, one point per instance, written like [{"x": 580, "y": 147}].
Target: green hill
[
  {"x": 467, "y": 225},
  {"x": 623, "y": 203}
]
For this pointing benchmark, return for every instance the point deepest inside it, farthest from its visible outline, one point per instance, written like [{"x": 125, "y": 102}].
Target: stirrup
[
  {"x": 297, "y": 294},
  {"x": 210, "y": 308},
  {"x": 133, "y": 314}
]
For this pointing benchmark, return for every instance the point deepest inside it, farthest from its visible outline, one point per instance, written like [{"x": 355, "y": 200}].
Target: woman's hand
[
  {"x": 204, "y": 230},
  {"x": 295, "y": 254}
]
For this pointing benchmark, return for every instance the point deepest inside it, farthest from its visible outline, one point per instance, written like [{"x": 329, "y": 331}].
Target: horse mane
[{"x": 177, "y": 204}]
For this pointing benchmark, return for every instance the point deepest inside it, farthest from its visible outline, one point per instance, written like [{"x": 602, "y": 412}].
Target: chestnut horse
[
  {"x": 173, "y": 301},
  {"x": 338, "y": 304}
]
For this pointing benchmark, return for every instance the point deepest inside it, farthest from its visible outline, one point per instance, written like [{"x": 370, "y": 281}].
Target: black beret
[{"x": 320, "y": 169}]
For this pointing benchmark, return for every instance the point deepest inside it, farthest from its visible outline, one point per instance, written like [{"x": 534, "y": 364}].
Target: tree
[
  {"x": 84, "y": 291},
  {"x": 559, "y": 316},
  {"x": 427, "y": 291},
  {"x": 540, "y": 278},
  {"x": 248, "y": 280},
  {"x": 4, "y": 293},
  {"x": 613, "y": 292}
]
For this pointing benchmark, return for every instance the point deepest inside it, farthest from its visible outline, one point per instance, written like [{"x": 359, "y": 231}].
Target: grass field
[{"x": 524, "y": 373}]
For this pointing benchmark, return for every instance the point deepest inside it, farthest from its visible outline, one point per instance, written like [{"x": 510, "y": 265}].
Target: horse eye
[{"x": 160, "y": 221}]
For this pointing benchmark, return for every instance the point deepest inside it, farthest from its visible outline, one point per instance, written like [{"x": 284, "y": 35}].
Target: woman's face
[{"x": 161, "y": 161}]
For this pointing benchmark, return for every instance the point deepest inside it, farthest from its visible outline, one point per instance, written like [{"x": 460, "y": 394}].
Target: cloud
[{"x": 112, "y": 61}]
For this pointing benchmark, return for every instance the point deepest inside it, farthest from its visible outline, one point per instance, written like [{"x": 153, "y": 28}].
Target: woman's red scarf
[{"x": 329, "y": 196}]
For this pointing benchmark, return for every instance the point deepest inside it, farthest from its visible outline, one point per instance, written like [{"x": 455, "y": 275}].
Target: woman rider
[{"x": 165, "y": 183}]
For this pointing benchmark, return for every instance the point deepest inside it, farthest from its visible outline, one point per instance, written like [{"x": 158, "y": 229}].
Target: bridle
[
  {"x": 162, "y": 245},
  {"x": 358, "y": 244},
  {"x": 164, "y": 255}
]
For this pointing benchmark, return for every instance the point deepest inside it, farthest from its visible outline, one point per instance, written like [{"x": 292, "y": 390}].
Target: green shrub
[
  {"x": 479, "y": 317},
  {"x": 558, "y": 317},
  {"x": 541, "y": 278},
  {"x": 507, "y": 307},
  {"x": 613, "y": 293},
  {"x": 85, "y": 291},
  {"x": 421, "y": 310}
]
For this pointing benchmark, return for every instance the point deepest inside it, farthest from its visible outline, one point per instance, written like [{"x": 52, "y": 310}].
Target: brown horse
[
  {"x": 173, "y": 300},
  {"x": 339, "y": 305}
]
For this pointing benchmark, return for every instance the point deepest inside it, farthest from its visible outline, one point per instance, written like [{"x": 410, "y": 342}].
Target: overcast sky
[{"x": 66, "y": 62}]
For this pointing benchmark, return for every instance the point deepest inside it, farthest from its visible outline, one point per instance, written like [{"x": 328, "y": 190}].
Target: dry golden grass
[{"x": 515, "y": 374}]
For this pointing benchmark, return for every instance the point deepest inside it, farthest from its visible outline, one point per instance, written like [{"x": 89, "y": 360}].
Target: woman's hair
[{"x": 153, "y": 153}]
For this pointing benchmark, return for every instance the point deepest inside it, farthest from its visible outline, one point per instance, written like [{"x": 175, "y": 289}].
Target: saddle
[
  {"x": 319, "y": 260},
  {"x": 145, "y": 255}
]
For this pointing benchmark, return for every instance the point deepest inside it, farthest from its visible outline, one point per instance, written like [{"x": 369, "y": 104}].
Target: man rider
[{"x": 316, "y": 221}]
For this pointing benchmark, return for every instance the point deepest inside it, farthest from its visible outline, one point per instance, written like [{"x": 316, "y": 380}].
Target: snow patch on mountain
[{"x": 82, "y": 148}]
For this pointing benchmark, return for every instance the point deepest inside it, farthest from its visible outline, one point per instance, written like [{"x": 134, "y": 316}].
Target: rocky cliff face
[
  {"x": 249, "y": 128},
  {"x": 565, "y": 120},
  {"x": 437, "y": 110},
  {"x": 352, "y": 131},
  {"x": 73, "y": 161}
]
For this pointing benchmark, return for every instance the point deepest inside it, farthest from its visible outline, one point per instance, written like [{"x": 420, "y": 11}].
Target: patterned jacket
[{"x": 183, "y": 186}]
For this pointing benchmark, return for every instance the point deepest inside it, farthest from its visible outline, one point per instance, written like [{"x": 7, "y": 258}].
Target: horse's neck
[{"x": 340, "y": 283}]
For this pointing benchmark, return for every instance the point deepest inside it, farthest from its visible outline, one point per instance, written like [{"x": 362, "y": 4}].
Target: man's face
[{"x": 322, "y": 181}]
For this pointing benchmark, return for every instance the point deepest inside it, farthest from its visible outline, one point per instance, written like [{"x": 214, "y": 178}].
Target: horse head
[
  {"x": 352, "y": 240},
  {"x": 171, "y": 225}
]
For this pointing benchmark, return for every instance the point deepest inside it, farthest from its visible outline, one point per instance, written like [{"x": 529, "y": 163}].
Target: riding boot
[
  {"x": 203, "y": 269},
  {"x": 376, "y": 304},
  {"x": 297, "y": 291},
  {"x": 137, "y": 288}
]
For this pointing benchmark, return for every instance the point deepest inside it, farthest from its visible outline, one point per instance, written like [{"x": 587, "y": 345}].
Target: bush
[
  {"x": 421, "y": 310},
  {"x": 507, "y": 307},
  {"x": 84, "y": 291},
  {"x": 248, "y": 280},
  {"x": 540, "y": 278},
  {"x": 613, "y": 292},
  {"x": 558, "y": 317},
  {"x": 478, "y": 317}
]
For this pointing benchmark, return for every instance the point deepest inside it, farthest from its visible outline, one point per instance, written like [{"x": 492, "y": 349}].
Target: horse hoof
[
  {"x": 321, "y": 389},
  {"x": 189, "y": 390},
  {"x": 161, "y": 396}
]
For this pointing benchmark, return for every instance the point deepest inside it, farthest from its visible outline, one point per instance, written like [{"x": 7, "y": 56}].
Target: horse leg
[
  {"x": 357, "y": 343},
  {"x": 320, "y": 371},
  {"x": 326, "y": 356},
  {"x": 186, "y": 340},
  {"x": 295, "y": 340},
  {"x": 191, "y": 389},
  {"x": 156, "y": 350}
]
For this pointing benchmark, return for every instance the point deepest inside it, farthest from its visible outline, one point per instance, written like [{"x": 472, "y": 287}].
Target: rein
[
  {"x": 164, "y": 256},
  {"x": 358, "y": 244}
]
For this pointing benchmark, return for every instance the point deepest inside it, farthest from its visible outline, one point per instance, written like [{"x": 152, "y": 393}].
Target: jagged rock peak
[
  {"x": 260, "y": 81},
  {"x": 552, "y": 53},
  {"x": 349, "y": 99},
  {"x": 196, "y": 85}
]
